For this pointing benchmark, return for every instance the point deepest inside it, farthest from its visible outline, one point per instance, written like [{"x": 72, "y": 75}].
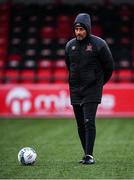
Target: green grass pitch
[{"x": 58, "y": 148}]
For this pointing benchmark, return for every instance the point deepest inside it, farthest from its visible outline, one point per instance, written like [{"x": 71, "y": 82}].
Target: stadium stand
[{"x": 33, "y": 38}]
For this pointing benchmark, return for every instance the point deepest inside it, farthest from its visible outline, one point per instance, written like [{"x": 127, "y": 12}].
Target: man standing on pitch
[{"x": 90, "y": 65}]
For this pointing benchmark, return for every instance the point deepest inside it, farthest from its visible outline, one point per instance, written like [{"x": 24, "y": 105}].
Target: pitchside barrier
[{"x": 53, "y": 101}]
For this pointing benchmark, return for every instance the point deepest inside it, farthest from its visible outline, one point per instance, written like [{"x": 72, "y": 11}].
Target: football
[{"x": 27, "y": 156}]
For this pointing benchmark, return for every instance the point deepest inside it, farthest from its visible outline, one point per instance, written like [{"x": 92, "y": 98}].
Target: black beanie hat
[{"x": 80, "y": 25}]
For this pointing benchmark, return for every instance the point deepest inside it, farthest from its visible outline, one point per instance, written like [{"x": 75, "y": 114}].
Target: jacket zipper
[{"x": 79, "y": 79}]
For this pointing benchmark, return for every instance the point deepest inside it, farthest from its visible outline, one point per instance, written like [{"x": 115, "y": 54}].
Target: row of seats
[
  {"x": 54, "y": 76},
  {"x": 53, "y": 71},
  {"x": 31, "y": 76},
  {"x": 47, "y": 72}
]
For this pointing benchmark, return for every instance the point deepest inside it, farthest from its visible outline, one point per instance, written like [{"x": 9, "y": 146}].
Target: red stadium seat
[
  {"x": 47, "y": 32},
  {"x": 2, "y": 63},
  {"x": 3, "y": 41},
  {"x": 125, "y": 75},
  {"x": 3, "y": 51},
  {"x": 124, "y": 11},
  {"x": 1, "y": 75},
  {"x": 60, "y": 75},
  {"x": 14, "y": 57},
  {"x": 44, "y": 76},
  {"x": 63, "y": 27},
  {"x": 97, "y": 30},
  {"x": 12, "y": 76},
  {"x": 27, "y": 76},
  {"x": 63, "y": 19},
  {"x": 64, "y": 31}
]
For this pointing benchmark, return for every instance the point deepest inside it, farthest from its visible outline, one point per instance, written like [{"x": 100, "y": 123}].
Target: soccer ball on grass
[{"x": 27, "y": 156}]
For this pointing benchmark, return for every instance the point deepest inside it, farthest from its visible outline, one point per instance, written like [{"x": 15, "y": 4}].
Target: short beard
[{"x": 79, "y": 38}]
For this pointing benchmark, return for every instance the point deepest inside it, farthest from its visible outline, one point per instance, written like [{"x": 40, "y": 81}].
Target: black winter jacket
[{"x": 90, "y": 65}]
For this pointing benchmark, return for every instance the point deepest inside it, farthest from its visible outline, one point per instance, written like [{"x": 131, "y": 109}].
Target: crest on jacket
[{"x": 89, "y": 47}]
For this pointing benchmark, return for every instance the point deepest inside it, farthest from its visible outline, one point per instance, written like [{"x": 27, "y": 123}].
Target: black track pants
[{"x": 85, "y": 118}]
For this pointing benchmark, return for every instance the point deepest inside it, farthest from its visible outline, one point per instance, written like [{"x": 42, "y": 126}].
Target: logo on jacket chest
[
  {"x": 89, "y": 47},
  {"x": 73, "y": 48}
]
